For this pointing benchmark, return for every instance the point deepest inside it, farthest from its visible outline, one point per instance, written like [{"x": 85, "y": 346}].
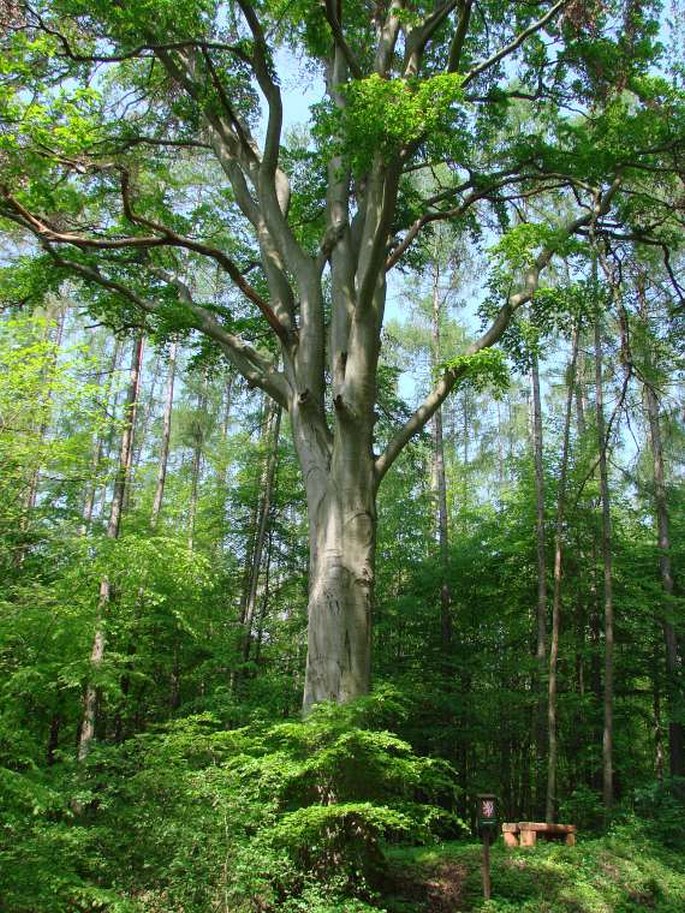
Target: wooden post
[
  {"x": 487, "y": 824},
  {"x": 486, "y": 864}
]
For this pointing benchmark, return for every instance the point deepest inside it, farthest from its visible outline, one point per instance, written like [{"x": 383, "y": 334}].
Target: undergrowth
[{"x": 625, "y": 872}]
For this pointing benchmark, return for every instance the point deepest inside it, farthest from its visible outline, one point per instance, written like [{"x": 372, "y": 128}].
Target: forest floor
[{"x": 615, "y": 874}]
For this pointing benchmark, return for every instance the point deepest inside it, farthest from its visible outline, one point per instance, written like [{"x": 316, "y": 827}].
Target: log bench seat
[{"x": 525, "y": 833}]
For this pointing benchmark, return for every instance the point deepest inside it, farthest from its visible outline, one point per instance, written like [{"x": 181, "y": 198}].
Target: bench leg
[{"x": 528, "y": 838}]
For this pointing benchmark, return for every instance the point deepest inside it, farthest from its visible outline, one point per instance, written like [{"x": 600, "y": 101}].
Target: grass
[{"x": 625, "y": 872}]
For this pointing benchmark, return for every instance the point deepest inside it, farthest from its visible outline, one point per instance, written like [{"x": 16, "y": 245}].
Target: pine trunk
[
  {"x": 541, "y": 607},
  {"x": 608, "y": 695},
  {"x": 676, "y": 735},
  {"x": 550, "y": 812}
]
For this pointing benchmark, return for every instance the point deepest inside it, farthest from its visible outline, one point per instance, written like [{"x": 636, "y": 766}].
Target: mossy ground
[{"x": 622, "y": 873}]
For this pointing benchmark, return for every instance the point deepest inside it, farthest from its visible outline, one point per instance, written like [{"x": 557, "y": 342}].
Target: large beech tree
[{"x": 143, "y": 150}]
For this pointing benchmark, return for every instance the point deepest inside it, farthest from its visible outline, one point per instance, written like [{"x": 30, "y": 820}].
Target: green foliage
[
  {"x": 661, "y": 806},
  {"x": 163, "y": 17},
  {"x": 485, "y": 369},
  {"x": 554, "y": 311},
  {"x": 266, "y": 817},
  {"x": 383, "y": 116},
  {"x": 518, "y": 248}
]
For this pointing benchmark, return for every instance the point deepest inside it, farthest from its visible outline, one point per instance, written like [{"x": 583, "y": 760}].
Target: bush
[
  {"x": 290, "y": 816},
  {"x": 662, "y": 806}
]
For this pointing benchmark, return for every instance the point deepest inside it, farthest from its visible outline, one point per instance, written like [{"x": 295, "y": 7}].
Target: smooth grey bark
[
  {"x": 342, "y": 540},
  {"x": 550, "y": 805},
  {"x": 121, "y": 481},
  {"x": 607, "y": 566}
]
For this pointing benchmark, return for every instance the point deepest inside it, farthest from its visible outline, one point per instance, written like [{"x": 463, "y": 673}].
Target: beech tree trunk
[{"x": 342, "y": 538}]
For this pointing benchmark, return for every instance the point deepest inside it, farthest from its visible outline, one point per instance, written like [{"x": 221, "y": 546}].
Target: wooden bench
[{"x": 525, "y": 833}]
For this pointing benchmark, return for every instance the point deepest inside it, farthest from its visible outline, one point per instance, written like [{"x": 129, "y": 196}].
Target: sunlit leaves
[
  {"x": 483, "y": 370},
  {"x": 140, "y": 23},
  {"x": 385, "y": 116}
]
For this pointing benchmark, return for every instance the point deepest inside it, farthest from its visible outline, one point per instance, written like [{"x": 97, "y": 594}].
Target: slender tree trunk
[
  {"x": 272, "y": 434},
  {"x": 676, "y": 734},
  {"x": 224, "y": 464},
  {"x": 265, "y": 598},
  {"x": 98, "y": 449},
  {"x": 608, "y": 694},
  {"x": 659, "y": 753},
  {"x": 121, "y": 481},
  {"x": 541, "y": 607},
  {"x": 53, "y": 738},
  {"x": 439, "y": 478},
  {"x": 673, "y": 646},
  {"x": 166, "y": 437},
  {"x": 550, "y": 812},
  {"x": 501, "y": 472},
  {"x": 146, "y": 412},
  {"x": 196, "y": 465}
]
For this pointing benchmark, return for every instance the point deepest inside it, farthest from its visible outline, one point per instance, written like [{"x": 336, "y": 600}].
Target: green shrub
[
  {"x": 662, "y": 806},
  {"x": 266, "y": 817}
]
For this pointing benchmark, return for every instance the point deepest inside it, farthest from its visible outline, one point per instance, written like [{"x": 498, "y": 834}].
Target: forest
[{"x": 342, "y": 464}]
